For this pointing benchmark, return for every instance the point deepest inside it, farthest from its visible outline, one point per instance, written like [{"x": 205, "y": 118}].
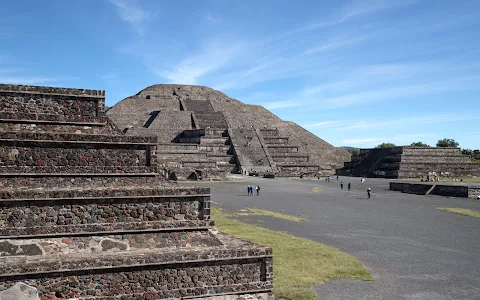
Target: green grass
[
  {"x": 461, "y": 211},
  {"x": 267, "y": 213},
  {"x": 298, "y": 263},
  {"x": 316, "y": 189}
]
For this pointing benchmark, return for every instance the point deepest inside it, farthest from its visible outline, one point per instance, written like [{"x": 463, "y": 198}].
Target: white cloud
[
  {"x": 214, "y": 56},
  {"x": 131, "y": 12},
  {"x": 211, "y": 18},
  {"x": 280, "y": 104},
  {"x": 395, "y": 123},
  {"x": 28, "y": 80},
  {"x": 326, "y": 124}
]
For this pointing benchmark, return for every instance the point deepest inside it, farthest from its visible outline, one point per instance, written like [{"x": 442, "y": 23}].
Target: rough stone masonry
[
  {"x": 206, "y": 132},
  {"x": 85, "y": 214}
]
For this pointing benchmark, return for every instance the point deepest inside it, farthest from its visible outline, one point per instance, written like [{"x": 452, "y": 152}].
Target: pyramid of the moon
[{"x": 204, "y": 133}]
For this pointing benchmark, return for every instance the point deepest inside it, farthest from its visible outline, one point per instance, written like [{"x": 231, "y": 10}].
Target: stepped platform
[
  {"x": 85, "y": 214},
  {"x": 446, "y": 189},
  {"x": 410, "y": 162}
]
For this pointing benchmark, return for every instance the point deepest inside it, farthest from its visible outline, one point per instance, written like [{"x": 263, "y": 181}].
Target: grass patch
[
  {"x": 461, "y": 211},
  {"x": 316, "y": 190},
  {"x": 267, "y": 213},
  {"x": 298, "y": 263}
]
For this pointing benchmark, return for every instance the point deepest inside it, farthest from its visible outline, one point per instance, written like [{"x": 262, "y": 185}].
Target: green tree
[
  {"x": 447, "y": 143},
  {"x": 467, "y": 152},
  {"x": 386, "y": 145},
  {"x": 419, "y": 144}
]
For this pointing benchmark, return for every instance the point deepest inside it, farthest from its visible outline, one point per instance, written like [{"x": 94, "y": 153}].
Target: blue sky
[{"x": 355, "y": 73}]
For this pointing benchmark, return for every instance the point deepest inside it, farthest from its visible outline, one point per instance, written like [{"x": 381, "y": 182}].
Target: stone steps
[
  {"x": 276, "y": 140},
  {"x": 211, "y": 120},
  {"x": 87, "y": 216},
  {"x": 215, "y": 141},
  {"x": 149, "y": 274},
  {"x": 282, "y": 149},
  {"x": 290, "y": 158}
]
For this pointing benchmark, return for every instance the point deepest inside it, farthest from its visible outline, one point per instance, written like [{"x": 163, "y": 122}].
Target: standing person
[
  {"x": 251, "y": 190},
  {"x": 369, "y": 192},
  {"x": 349, "y": 186},
  {"x": 258, "y": 190},
  {"x": 341, "y": 185},
  {"x": 363, "y": 180},
  {"x": 248, "y": 190},
  {"x": 337, "y": 177}
]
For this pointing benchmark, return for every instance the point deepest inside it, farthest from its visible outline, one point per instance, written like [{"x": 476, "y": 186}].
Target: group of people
[
  {"x": 432, "y": 177},
  {"x": 252, "y": 188},
  {"x": 349, "y": 186}
]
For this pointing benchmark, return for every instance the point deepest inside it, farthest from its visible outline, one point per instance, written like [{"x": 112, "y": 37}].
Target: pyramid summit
[{"x": 203, "y": 132}]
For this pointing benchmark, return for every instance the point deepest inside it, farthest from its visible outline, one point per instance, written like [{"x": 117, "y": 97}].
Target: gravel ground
[{"x": 413, "y": 250}]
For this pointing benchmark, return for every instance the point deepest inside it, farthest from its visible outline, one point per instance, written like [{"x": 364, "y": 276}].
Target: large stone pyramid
[
  {"x": 84, "y": 214},
  {"x": 206, "y": 133}
]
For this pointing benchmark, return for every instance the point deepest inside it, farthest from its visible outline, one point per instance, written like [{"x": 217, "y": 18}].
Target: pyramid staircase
[
  {"x": 84, "y": 214},
  {"x": 289, "y": 160},
  {"x": 210, "y": 152}
]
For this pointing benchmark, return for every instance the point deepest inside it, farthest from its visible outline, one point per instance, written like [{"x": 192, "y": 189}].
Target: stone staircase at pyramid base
[
  {"x": 84, "y": 213},
  {"x": 209, "y": 157},
  {"x": 288, "y": 158}
]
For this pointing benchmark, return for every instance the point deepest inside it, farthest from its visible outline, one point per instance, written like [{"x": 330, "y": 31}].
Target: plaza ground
[{"x": 412, "y": 249}]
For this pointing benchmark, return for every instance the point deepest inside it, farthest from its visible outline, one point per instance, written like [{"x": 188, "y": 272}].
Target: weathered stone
[
  {"x": 20, "y": 291},
  {"x": 222, "y": 135},
  {"x": 84, "y": 214},
  {"x": 410, "y": 162}
]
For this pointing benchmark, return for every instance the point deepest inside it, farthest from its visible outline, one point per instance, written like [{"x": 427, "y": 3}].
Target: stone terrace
[
  {"x": 84, "y": 214},
  {"x": 410, "y": 162}
]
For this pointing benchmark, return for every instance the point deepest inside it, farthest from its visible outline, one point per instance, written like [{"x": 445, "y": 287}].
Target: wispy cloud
[
  {"x": 214, "y": 56},
  {"x": 28, "y": 80},
  {"x": 280, "y": 104},
  {"x": 131, "y": 12},
  {"x": 210, "y": 18},
  {"x": 388, "y": 122}
]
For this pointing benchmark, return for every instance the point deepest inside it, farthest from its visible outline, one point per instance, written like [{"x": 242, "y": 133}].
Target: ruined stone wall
[
  {"x": 86, "y": 216},
  {"x": 45, "y": 103},
  {"x": 58, "y": 211},
  {"x": 410, "y": 162}
]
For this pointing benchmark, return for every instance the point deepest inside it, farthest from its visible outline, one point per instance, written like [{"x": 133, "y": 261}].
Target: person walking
[
  {"x": 248, "y": 190},
  {"x": 341, "y": 185},
  {"x": 369, "y": 192},
  {"x": 337, "y": 177},
  {"x": 258, "y": 190},
  {"x": 363, "y": 180},
  {"x": 349, "y": 186}
]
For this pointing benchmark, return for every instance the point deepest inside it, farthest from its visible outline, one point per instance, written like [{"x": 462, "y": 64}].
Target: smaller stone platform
[{"x": 452, "y": 189}]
